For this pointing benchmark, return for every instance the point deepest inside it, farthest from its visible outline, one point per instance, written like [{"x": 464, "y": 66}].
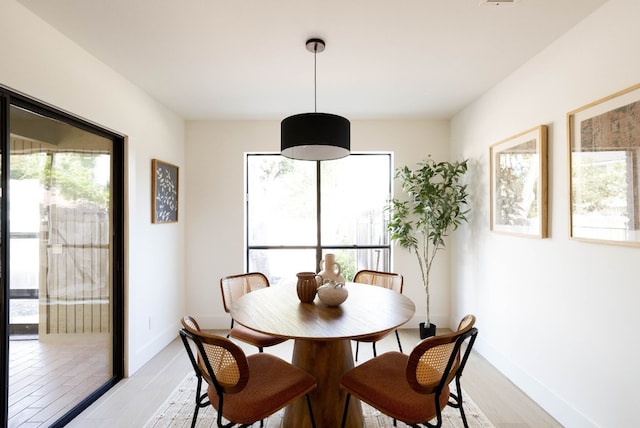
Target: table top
[{"x": 276, "y": 310}]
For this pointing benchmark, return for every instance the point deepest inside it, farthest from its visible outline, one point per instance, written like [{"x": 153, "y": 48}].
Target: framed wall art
[
  {"x": 164, "y": 192},
  {"x": 518, "y": 167},
  {"x": 604, "y": 147}
]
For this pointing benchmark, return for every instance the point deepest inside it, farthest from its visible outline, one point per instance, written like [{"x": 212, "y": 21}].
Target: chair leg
[
  {"x": 260, "y": 349},
  {"x": 357, "y": 348},
  {"x": 457, "y": 402},
  {"x": 346, "y": 410},
  {"x": 398, "y": 338},
  {"x": 375, "y": 353},
  {"x": 313, "y": 420},
  {"x": 230, "y": 328},
  {"x": 195, "y": 416},
  {"x": 195, "y": 412},
  {"x": 464, "y": 417},
  {"x": 201, "y": 401}
]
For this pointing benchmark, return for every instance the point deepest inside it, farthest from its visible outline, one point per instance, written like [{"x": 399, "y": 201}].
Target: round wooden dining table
[{"x": 322, "y": 337}]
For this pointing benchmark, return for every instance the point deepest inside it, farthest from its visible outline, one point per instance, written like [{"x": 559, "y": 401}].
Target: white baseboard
[
  {"x": 213, "y": 322},
  {"x": 150, "y": 349},
  {"x": 560, "y": 409}
]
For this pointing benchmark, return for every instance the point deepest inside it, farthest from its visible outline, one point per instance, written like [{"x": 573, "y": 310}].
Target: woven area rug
[{"x": 177, "y": 412}]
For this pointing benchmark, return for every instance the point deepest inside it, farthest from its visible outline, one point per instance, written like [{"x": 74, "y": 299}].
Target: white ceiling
[{"x": 246, "y": 59}]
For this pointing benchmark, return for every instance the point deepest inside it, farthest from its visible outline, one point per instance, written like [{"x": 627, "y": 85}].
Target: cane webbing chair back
[
  {"x": 414, "y": 388},
  {"x": 220, "y": 361},
  {"x": 235, "y": 286},
  {"x": 433, "y": 362},
  {"x": 390, "y": 280},
  {"x": 242, "y": 389},
  {"x": 232, "y": 288}
]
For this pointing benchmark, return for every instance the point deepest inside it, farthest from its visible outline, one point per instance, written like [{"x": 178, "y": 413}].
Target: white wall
[
  {"x": 40, "y": 62},
  {"x": 556, "y": 315},
  {"x": 215, "y": 239}
]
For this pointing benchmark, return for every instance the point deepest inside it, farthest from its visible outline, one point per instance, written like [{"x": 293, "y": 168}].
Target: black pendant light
[{"x": 315, "y": 136}]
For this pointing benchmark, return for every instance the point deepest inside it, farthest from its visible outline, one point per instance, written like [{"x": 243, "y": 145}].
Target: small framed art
[
  {"x": 518, "y": 167},
  {"x": 604, "y": 165},
  {"x": 164, "y": 192}
]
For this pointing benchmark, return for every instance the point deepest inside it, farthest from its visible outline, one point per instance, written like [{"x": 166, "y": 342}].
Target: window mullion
[{"x": 318, "y": 215}]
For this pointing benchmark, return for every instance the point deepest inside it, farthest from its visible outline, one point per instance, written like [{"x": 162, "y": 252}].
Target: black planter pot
[{"x": 427, "y": 331}]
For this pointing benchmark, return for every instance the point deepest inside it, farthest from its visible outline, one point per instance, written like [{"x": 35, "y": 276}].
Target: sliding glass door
[{"x": 62, "y": 275}]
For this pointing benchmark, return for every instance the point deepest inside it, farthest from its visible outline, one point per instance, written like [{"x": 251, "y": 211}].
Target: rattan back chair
[
  {"x": 414, "y": 388},
  {"x": 232, "y": 288},
  {"x": 244, "y": 389},
  {"x": 390, "y": 280},
  {"x": 201, "y": 397}
]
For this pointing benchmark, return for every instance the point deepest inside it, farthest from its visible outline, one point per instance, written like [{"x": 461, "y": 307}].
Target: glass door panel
[{"x": 60, "y": 282}]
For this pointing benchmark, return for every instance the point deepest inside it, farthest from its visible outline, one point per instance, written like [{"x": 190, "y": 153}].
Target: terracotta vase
[
  {"x": 330, "y": 269},
  {"x": 307, "y": 286}
]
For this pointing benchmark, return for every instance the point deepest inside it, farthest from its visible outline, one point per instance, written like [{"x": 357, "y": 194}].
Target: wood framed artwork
[
  {"x": 604, "y": 152},
  {"x": 164, "y": 192},
  {"x": 518, "y": 183}
]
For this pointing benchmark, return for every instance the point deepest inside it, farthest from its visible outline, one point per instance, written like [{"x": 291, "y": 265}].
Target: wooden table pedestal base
[{"x": 327, "y": 361}]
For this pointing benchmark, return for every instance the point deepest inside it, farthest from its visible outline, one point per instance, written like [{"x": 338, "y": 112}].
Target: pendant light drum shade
[{"x": 315, "y": 136}]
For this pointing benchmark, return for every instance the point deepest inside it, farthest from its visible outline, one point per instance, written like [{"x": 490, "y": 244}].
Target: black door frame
[{"x": 10, "y": 97}]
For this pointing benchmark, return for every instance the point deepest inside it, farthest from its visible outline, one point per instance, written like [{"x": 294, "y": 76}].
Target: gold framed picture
[
  {"x": 518, "y": 183},
  {"x": 604, "y": 165}
]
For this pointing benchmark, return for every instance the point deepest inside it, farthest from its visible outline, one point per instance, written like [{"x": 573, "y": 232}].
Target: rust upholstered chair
[
  {"x": 392, "y": 281},
  {"x": 235, "y": 286},
  {"x": 414, "y": 388},
  {"x": 244, "y": 389}
]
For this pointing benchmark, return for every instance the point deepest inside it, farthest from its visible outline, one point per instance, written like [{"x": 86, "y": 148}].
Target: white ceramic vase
[
  {"x": 330, "y": 269},
  {"x": 332, "y": 293}
]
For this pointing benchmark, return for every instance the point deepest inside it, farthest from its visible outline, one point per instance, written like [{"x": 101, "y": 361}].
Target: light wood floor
[{"x": 134, "y": 400}]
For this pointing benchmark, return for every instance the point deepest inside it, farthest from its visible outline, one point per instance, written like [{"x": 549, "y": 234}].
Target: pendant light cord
[{"x": 315, "y": 78}]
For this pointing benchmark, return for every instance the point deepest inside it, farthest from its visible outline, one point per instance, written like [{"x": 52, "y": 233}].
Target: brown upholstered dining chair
[
  {"x": 414, "y": 388},
  {"x": 392, "y": 281},
  {"x": 244, "y": 389},
  {"x": 235, "y": 286}
]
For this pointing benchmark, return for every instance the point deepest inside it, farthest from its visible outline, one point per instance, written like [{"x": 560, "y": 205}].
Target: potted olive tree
[{"x": 433, "y": 204}]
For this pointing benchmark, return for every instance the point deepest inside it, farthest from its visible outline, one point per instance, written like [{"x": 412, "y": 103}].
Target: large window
[{"x": 297, "y": 211}]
